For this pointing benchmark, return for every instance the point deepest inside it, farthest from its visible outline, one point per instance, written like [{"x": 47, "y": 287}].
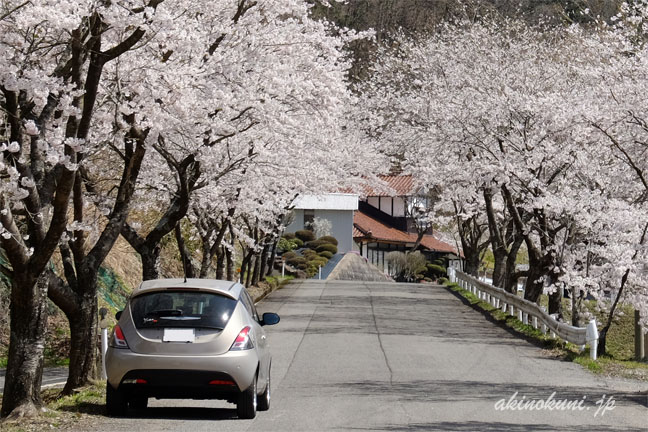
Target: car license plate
[{"x": 179, "y": 335}]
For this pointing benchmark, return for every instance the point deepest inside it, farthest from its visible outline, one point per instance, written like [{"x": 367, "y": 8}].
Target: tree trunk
[
  {"x": 220, "y": 263},
  {"x": 83, "y": 339},
  {"x": 263, "y": 261},
  {"x": 185, "y": 256},
  {"x": 510, "y": 275},
  {"x": 472, "y": 261},
  {"x": 249, "y": 270},
  {"x": 244, "y": 265},
  {"x": 230, "y": 264},
  {"x": 273, "y": 256},
  {"x": 497, "y": 241},
  {"x": 499, "y": 268},
  {"x": 28, "y": 312},
  {"x": 257, "y": 268},
  {"x": 535, "y": 281},
  {"x": 150, "y": 262},
  {"x": 555, "y": 303}
]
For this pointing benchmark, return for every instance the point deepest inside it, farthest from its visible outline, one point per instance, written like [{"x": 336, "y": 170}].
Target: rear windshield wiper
[{"x": 164, "y": 313}]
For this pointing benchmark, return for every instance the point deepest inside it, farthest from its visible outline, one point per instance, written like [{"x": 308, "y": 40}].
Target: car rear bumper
[{"x": 184, "y": 374}]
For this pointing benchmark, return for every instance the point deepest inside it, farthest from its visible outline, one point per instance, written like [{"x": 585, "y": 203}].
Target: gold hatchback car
[{"x": 189, "y": 339}]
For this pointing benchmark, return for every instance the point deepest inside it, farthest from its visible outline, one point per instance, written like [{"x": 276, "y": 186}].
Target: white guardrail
[{"x": 528, "y": 312}]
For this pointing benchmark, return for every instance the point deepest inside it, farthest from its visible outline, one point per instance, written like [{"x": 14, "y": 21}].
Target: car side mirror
[
  {"x": 118, "y": 315},
  {"x": 270, "y": 318}
]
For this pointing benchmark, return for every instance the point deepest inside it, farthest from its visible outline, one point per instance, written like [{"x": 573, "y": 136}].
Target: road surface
[
  {"x": 52, "y": 377},
  {"x": 367, "y": 356}
]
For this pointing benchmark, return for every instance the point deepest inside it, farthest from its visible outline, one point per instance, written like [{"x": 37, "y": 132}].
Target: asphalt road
[
  {"x": 396, "y": 357},
  {"x": 52, "y": 377}
]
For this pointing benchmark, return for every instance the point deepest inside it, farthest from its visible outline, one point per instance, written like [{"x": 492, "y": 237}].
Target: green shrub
[
  {"x": 329, "y": 239},
  {"x": 314, "y": 244},
  {"x": 435, "y": 270},
  {"x": 439, "y": 262},
  {"x": 327, "y": 247},
  {"x": 319, "y": 261},
  {"x": 285, "y": 244},
  {"x": 296, "y": 261},
  {"x": 305, "y": 235},
  {"x": 326, "y": 254},
  {"x": 288, "y": 255},
  {"x": 298, "y": 242},
  {"x": 442, "y": 280},
  {"x": 289, "y": 236}
]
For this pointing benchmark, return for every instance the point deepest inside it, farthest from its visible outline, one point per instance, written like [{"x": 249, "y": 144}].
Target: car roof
[{"x": 223, "y": 287}]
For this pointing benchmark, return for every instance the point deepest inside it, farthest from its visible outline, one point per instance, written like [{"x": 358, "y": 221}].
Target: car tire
[
  {"x": 138, "y": 403},
  {"x": 247, "y": 402},
  {"x": 263, "y": 403},
  {"x": 116, "y": 403}
]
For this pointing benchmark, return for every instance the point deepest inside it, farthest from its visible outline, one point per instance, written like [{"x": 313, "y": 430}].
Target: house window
[{"x": 309, "y": 218}]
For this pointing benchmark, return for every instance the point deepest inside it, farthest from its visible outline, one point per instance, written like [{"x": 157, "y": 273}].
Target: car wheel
[
  {"x": 139, "y": 403},
  {"x": 247, "y": 402},
  {"x": 116, "y": 403},
  {"x": 264, "y": 398}
]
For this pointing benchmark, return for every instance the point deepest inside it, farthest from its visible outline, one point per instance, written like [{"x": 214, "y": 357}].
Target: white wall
[
  {"x": 399, "y": 207},
  {"x": 386, "y": 204},
  {"x": 341, "y": 226}
]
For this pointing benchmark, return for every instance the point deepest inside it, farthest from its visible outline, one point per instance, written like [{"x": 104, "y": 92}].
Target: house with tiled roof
[{"x": 382, "y": 223}]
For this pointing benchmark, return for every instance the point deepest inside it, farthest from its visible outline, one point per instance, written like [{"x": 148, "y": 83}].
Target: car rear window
[{"x": 182, "y": 309}]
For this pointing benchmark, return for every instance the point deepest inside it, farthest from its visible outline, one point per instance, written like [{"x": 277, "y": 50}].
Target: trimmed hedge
[
  {"x": 309, "y": 253},
  {"x": 326, "y": 254},
  {"x": 319, "y": 261},
  {"x": 329, "y": 239},
  {"x": 305, "y": 235},
  {"x": 314, "y": 244},
  {"x": 288, "y": 255},
  {"x": 327, "y": 247},
  {"x": 298, "y": 242},
  {"x": 436, "y": 270},
  {"x": 289, "y": 236},
  {"x": 296, "y": 261}
]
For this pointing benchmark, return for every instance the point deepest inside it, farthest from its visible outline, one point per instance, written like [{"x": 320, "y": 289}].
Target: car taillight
[
  {"x": 242, "y": 341},
  {"x": 222, "y": 382},
  {"x": 118, "y": 339}
]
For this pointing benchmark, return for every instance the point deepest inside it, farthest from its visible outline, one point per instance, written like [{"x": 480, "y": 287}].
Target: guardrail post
[
  {"x": 525, "y": 318},
  {"x": 544, "y": 326},
  {"x": 511, "y": 310},
  {"x": 591, "y": 336},
  {"x": 640, "y": 349},
  {"x": 534, "y": 322},
  {"x": 104, "y": 323}
]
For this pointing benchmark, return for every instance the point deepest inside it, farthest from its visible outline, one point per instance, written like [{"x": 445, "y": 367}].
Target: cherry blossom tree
[
  {"x": 55, "y": 56},
  {"x": 268, "y": 81},
  {"x": 520, "y": 115}
]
